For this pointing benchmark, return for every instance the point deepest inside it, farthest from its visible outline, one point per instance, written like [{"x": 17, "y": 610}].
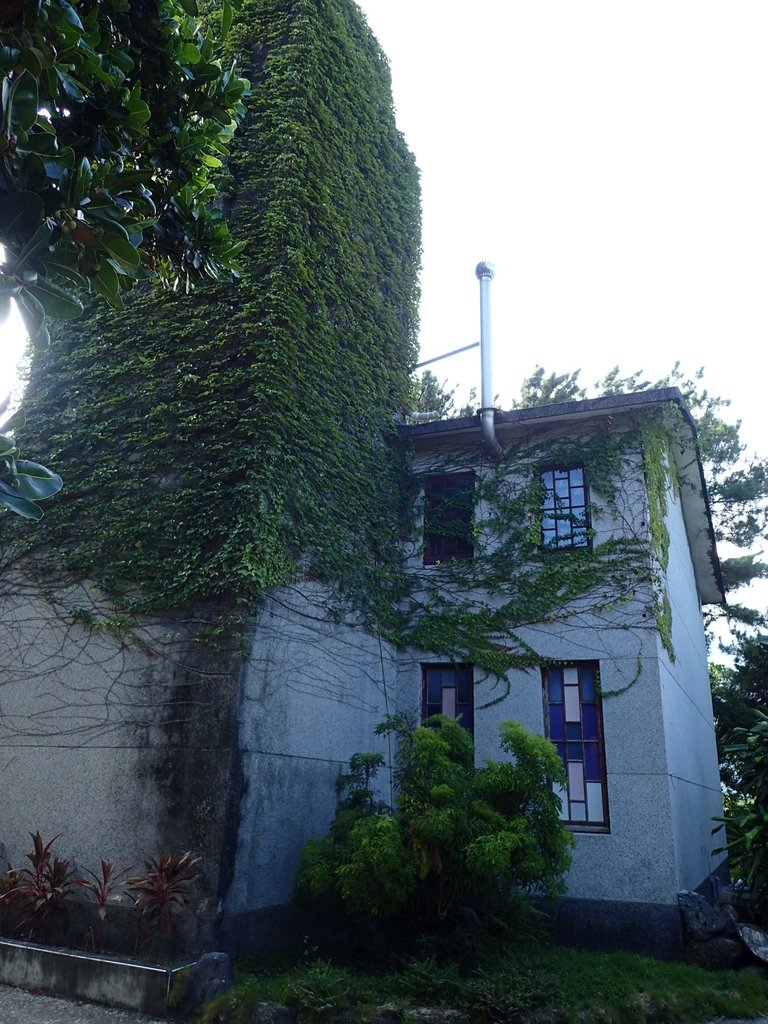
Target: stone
[
  {"x": 435, "y": 1015},
  {"x": 755, "y": 939},
  {"x": 211, "y": 976},
  {"x": 719, "y": 953},
  {"x": 702, "y": 920},
  {"x": 272, "y": 1013},
  {"x": 388, "y": 1013}
]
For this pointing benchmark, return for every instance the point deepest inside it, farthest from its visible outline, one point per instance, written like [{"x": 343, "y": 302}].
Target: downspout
[{"x": 485, "y": 272}]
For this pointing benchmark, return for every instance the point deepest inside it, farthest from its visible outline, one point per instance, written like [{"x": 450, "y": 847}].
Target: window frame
[
  {"x": 563, "y": 744},
  {"x": 449, "y": 667},
  {"x": 559, "y": 516},
  {"x": 439, "y": 547}
]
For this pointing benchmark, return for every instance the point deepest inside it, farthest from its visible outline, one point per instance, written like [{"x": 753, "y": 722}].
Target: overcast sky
[{"x": 611, "y": 159}]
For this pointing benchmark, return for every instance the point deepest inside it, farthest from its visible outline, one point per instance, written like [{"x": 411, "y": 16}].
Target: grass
[{"x": 545, "y": 984}]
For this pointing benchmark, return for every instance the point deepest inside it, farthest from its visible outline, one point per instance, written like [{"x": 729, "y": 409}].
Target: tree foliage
[
  {"x": 457, "y": 832},
  {"x": 112, "y": 115},
  {"x": 738, "y": 693}
]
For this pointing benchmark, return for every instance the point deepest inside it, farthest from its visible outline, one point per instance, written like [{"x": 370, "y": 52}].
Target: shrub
[{"x": 457, "y": 833}]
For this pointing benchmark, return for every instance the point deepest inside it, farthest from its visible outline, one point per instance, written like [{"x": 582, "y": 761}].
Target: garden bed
[{"x": 116, "y": 981}]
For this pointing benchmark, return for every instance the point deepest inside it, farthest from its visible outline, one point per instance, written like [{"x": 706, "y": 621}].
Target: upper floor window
[
  {"x": 448, "y": 507},
  {"x": 565, "y": 508},
  {"x": 574, "y": 723},
  {"x": 448, "y": 690}
]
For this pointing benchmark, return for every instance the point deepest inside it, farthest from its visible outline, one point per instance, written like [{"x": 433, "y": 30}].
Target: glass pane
[
  {"x": 449, "y": 701},
  {"x": 577, "y": 477},
  {"x": 573, "y": 731},
  {"x": 595, "y": 809},
  {"x": 561, "y": 752},
  {"x": 577, "y": 497},
  {"x": 588, "y": 683},
  {"x": 556, "y": 722},
  {"x": 578, "y": 812},
  {"x": 574, "y": 751},
  {"x": 560, "y": 791},
  {"x": 571, "y": 675},
  {"x": 572, "y": 704},
  {"x": 589, "y": 720},
  {"x": 465, "y": 712},
  {"x": 592, "y": 762},
  {"x": 561, "y": 488},
  {"x": 555, "y": 684},
  {"x": 464, "y": 686},
  {"x": 576, "y": 780},
  {"x": 434, "y": 686},
  {"x": 547, "y": 480}
]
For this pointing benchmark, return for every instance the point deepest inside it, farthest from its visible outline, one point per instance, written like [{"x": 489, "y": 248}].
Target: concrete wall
[
  {"x": 119, "y": 740},
  {"x": 313, "y": 691},
  {"x": 694, "y": 780}
]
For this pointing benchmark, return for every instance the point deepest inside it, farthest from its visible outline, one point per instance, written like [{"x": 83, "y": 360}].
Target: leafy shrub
[
  {"x": 100, "y": 888},
  {"x": 41, "y": 889},
  {"x": 457, "y": 833},
  {"x": 746, "y": 816}
]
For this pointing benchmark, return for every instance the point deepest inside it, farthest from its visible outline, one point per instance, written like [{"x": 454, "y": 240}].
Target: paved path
[{"x": 17, "y": 1006}]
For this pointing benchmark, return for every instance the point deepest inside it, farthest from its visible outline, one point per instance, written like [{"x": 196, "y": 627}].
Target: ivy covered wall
[{"x": 210, "y": 440}]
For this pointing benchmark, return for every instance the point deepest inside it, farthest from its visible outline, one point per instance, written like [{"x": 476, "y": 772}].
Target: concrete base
[
  {"x": 99, "y": 979},
  {"x": 653, "y": 929}
]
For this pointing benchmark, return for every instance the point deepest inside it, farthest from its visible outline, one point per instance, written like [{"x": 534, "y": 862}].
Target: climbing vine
[{"x": 220, "y": 443}]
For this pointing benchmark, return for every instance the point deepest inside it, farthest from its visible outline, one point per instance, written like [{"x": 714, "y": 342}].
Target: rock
[
  {"x": 716, "y": 954},
  {"x": 702, "y": 920},
  {"x": 389, "y": 1013},
  {"x": 755, "y": 939},
  {"x": 435, "y": 1015},
  {"x": 272, "y": 1013},
  {"x": 211, "y": 976}
]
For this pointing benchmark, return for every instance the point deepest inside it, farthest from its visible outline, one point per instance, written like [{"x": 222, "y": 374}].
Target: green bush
[
  {"x": 456, "y": 834},
  {"x": 746, "y": 815}
]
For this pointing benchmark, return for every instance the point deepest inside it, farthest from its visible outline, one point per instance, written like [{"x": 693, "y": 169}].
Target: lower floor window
[
  {"x": 448, "y": 690},
  {"x": 574, "y": 722}
]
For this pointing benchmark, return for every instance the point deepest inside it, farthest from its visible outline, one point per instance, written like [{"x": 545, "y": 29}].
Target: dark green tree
[
  {"x": 738, "y": 693},
  {"x": 457, "y": 833},
  {"x": 112, "y": 115}
]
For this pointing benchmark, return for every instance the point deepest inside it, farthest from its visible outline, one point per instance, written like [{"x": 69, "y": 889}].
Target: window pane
[
  {"x": 588, "y": 683},
  {"x": 595, "y": 808},
  {"x": 589, "y": 721},
  {"x": 434, "y": 686},
  {"x": 578, "y": 812},
  {"x": 573, "y": 731},
  {"x": 464, "y": 686},
  {"x": 449, "y": 701},
  {"x": 572, "y": 704},
  {"x": 555, "y": 684},
  {"x": 556, "y": 722},
  {"x": 576, "y": 780},
  {"x": 577, "y": 477},
  {"x": 592, "y": 762}
]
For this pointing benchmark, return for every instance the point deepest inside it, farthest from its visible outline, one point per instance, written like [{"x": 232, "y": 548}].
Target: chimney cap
[{"x": 484, "y": 269}]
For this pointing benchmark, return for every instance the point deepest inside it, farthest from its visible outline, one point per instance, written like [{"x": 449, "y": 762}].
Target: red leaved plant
[
  {"x": 42, "y": 888},
  {"x": 164, "y": 890},
  {"x": 101, "y": 888}
]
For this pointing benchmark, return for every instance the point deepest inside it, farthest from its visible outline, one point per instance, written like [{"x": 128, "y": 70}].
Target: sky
[{"x": 610, "y": 157}]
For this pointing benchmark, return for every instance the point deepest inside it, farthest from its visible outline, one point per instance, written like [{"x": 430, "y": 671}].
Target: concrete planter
[{"x": 115, "y": 981}]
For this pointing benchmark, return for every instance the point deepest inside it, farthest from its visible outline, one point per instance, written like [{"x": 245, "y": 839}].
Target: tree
[
  {"x": 112, "y": 115},
  {"x": 457, "y": 832},
  {"x": 738, "y": 693}
]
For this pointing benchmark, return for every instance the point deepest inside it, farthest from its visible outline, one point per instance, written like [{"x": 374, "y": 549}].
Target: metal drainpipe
[{"x": 485, "y": 272}]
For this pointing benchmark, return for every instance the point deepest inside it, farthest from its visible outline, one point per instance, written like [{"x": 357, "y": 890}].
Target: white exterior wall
[
  {"x": 691, "y": 753},
  {"x": 313, "y": 691}
]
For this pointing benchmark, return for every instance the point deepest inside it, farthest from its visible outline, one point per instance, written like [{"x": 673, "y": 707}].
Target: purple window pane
[
  {"x": 592, "y": 771},
  {"x": 589, "y": 718},
  {"x": 464, "y": 686},
  {"x": 555, "y": 684},
  {"x": 561, "y": 752},
  {"x": 556, "y": 722},
  {"x": 434, "y": 687},
  {"x": 573, "y": 731},
  {"x": 433, "y": 709},
  {"x": 575, "y": 752},
  {"x": 587, "y": 683}
]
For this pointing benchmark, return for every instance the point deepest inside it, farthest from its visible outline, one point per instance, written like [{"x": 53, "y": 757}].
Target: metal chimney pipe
[{"x": 484, "y": 272}]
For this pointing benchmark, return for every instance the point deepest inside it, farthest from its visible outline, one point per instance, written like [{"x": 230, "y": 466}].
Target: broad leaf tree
[{"x": 112, "y": 114}]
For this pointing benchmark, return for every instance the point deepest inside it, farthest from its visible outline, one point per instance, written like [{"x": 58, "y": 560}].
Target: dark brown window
[
  {"x": 448, "y": 690},
  {"x": 565, "y": 508},
  {"x": 574, "y": 723},
  {"x": 448, "y": 507}
]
